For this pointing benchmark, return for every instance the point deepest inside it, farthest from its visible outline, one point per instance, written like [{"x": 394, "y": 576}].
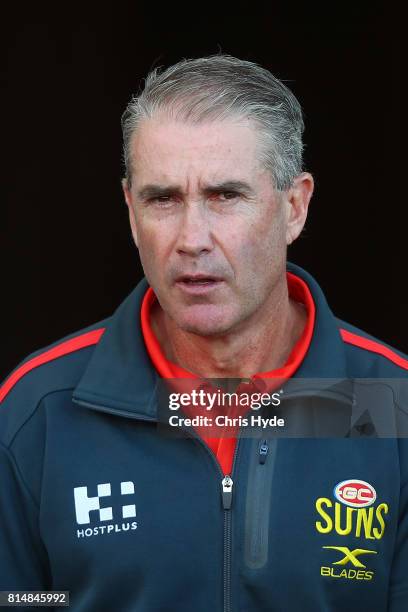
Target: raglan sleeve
[
  {"x": 398, "y": 593},
  {"x": 24, "y": 563},
  {"x": 23, "y": 559},
  {"x": 398, "y": 590}
]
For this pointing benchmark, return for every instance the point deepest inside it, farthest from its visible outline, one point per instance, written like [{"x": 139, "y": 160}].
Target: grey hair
[{"x": 222, "y": 87}]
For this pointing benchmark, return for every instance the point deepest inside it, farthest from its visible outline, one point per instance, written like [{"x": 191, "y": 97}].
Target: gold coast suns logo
[{"x": 355, "y": 513}]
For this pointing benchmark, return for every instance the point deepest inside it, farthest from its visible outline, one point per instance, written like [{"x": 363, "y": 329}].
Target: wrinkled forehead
[{"x": 164, "y": 149}]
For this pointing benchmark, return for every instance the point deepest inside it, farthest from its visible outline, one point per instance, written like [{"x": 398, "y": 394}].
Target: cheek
[
  {"x": 152, "y": 250},
  {"x": 153, "y": 234},
  {"x": 255, "y": 244},
  {"x": 261, "y": 254}
]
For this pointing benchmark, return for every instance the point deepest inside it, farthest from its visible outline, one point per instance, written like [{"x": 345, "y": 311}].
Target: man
[{"x": 98, "y": 501}]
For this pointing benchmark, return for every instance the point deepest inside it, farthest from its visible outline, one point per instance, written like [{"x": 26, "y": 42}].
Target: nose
[{"x": 194, "y": 237}]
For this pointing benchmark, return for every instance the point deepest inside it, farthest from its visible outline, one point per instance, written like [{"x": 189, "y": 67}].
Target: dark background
[{"x": 68, "y": 259}]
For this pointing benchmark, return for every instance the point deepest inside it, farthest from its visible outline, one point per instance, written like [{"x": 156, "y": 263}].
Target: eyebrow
[{"x": 154, "y": 191}]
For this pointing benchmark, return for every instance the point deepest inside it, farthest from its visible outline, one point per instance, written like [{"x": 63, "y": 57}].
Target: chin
[
  {"x": 205, "y": 325},
  {"x": 204, "y": 330}
]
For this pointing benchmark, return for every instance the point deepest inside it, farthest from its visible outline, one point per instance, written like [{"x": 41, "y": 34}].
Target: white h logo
[{"x": 84, "y": 504}]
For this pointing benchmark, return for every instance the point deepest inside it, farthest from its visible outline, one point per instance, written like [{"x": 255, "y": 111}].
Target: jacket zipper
[
  {"x": 258, "y": 503},
  {"x": 263, "y": 451},
  {"x": 226, "y": 499},
  {"x": 227, "y": 486},
  {"x": 226, "y": 492},
  {"x": 257, "y": 540}
]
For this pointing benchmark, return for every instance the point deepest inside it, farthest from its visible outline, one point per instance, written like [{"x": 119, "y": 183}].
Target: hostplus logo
[{"x": 88, "y": 510}]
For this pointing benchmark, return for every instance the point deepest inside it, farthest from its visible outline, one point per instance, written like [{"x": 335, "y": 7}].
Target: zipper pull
[
  {"x": 263, "y": 451},
  {"x": 227, "y": 483}
]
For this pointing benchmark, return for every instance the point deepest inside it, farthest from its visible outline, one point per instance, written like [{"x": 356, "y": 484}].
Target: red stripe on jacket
[
  {"x": 69, "y": 346},
  {"x": 374, "y": 347}
]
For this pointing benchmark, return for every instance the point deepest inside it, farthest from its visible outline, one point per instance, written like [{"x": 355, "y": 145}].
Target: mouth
[
  {"x": 198, "y": 278},
  {"x": 198, "y": 282}
]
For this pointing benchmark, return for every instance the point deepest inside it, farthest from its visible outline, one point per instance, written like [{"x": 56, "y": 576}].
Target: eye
[
  {"x": 162, "y": 201},
  {"x": 230, "y": 195},
  {"x": 227, "y": 195}
]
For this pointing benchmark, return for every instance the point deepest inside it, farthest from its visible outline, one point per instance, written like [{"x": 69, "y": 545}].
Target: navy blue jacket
[{"x": 96, "y": 501}]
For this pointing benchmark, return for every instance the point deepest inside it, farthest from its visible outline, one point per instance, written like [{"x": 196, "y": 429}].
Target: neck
[{"x": 260, "y": 346}]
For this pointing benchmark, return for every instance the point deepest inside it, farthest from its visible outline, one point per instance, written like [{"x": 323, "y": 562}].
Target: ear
[
  {"x": 129, "y": 201},
  {"x": 297, "y": 199}
]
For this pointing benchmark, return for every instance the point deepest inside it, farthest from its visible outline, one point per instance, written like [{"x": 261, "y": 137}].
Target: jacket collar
[
  {"x": 120, "y": 376},
  {"x": 326, "y": 357}
]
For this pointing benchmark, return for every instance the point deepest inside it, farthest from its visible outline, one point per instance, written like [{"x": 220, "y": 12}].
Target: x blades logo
[{"x": 350, "y": 556}]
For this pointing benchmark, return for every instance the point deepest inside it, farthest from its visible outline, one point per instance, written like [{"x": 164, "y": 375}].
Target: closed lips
[{"x": 198, "y": 279}]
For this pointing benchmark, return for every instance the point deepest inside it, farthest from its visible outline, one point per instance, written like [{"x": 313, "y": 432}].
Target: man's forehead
[{"x": 164, "y": 151}]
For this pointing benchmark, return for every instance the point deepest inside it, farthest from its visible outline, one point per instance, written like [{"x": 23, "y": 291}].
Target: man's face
[{"x": 211, "y": 229}]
